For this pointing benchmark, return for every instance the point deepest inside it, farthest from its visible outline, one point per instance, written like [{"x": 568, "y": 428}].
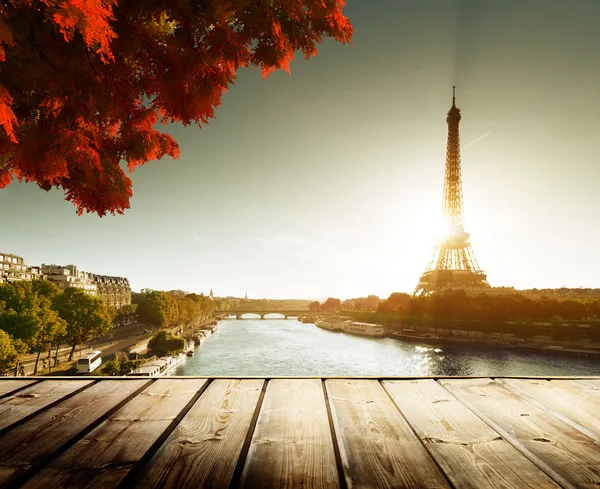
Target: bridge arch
[
  {"x": 248, "y": 315},
  {"x": 274, "y": 315}
]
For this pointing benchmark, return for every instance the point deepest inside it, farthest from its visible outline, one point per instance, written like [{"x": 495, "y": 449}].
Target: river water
[{"x": 274, "y": 347}]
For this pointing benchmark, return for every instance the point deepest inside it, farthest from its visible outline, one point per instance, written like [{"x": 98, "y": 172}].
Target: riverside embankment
[
  {"x": 567, "y": 336},
  {"x": 132, "y": 338}
]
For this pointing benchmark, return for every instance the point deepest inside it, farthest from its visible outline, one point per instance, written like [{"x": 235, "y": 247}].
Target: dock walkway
[{"x": 322, "y": 433}]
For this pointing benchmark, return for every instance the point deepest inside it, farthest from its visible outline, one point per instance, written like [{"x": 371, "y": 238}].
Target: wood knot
[
  {"x": 431, "y": 439},
  {"x": 542, "y": 440},
  {"x": 27, "y": 396},
  {"x": 524, "y": 414},
  {"x": 440, "y": 400}
]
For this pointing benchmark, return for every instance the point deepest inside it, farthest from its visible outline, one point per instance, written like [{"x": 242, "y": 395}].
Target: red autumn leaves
[{"x": 83, "y": 83}]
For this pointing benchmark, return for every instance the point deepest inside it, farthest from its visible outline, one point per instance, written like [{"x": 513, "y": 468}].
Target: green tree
[
  {"x": 331, "y": 304},
  {"x": 163, "y": 344},
  {"x": 26, "y": 314},
  {"x": 157, "y": 308},
  {"x": 52, "y": 327},
  {"x": 121, "y": 365},
  {"x": 86, "y": 317},
  {"x": 8, "y": 353}
]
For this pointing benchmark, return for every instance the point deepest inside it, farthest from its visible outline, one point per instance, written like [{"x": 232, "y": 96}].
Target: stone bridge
[{"x": 238, "y": 313}]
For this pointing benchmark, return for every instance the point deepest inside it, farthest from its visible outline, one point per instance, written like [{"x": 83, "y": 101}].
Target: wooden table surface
[{"x": 322, "y": 433}]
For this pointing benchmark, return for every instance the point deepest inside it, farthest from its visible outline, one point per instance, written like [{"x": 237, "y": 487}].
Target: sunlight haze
[{"x": 329, "y": 182}]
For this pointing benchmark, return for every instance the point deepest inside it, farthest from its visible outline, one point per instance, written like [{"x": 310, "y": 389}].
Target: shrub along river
[{"x": 274, "y": 347}]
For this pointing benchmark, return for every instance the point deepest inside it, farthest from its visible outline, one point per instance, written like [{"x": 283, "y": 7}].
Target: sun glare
[{"x": 433, "y": 226}]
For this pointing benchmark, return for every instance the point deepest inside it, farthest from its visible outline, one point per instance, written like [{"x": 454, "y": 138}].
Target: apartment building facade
[
  {"x": 65, "y": 276},
  {"x": 113, "y": 291},
  {"x": 13, "y": 268}
]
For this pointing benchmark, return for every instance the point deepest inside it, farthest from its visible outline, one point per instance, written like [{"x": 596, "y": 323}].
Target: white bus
[{"x": 89, "y": 363}]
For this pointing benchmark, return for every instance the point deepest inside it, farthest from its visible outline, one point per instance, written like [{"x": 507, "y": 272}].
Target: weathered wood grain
[
  {"x": 472, "y": 454},
  {"x": 204, "y": 448},
  {"x": 7, "y": 386},
  {"x": 106, "y": 455},
  {"x": 23, "y": 403},
  {"x": 377, "y": 446},
  {"x": 589, "y": 388},
  {"x": 567, "y": 455},
  {"x": 292, "y": 444},
  {"x": 56, "y": 426},
  {"x": 25, "y": 446},
  {"x": 575, "y": 407}
]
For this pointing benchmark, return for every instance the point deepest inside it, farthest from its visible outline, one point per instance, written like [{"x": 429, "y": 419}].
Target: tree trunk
[
  {"x": 17, "y": 368},
  {"x": 72, "y": 351},
  {"x": 37, "y": 360},
  {"x": 56, "y": 356}
]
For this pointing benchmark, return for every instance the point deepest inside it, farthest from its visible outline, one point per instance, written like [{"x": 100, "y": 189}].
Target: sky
[{"x": 329, "y": 182}]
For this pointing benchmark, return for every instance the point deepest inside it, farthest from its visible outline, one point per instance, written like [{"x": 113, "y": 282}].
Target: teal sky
[{"x": 328, "y": 182}]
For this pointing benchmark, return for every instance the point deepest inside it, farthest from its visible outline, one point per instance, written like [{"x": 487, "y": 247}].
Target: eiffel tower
[{"x": 453, "y": 264}]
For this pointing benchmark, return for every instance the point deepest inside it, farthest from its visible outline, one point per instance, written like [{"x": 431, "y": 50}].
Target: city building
[
  {"x": 12, "y": 268},
  {"x": 114, "y": 291},
  {"x": 70, "y": 276}
]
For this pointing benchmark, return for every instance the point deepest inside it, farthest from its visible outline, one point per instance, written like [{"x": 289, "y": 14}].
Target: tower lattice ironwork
[{"x": 453, "y": 264}]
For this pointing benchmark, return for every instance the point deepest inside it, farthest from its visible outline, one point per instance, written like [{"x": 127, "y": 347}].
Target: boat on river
[
  {"x": 329, "y": 325},
  {"x": 363, "y": 329},
  {"x": 159, "y": 367}
]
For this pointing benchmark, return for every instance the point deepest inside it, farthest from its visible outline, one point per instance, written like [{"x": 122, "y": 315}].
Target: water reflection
[{"x": 286, "y": 347}]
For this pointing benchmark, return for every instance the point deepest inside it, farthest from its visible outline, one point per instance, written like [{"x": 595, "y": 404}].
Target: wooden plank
[
  {"x": 292, "y": 443},
  {"x": 471, "y": 453},
  {"x": 589, "y": 388},
  {"x": 568, "y": 456},
  {"x": 28, "y": 444},
  {"x": 575, "y": 407},
  {"x": 7, "y": 386},
  {"x": 105, "y": 456},
  {"x": 373, "y": 377},
  {"x": 377, "y": 446},
  {"x": 38, "y": 396},
  {"x": 205, "y": 447}
]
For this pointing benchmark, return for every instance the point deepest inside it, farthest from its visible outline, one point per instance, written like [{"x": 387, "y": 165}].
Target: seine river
[{"x": 287, "y": 347}]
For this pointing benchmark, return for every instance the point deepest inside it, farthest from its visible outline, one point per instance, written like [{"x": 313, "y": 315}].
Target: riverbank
[
  {"x": 129, "y": 339},
  {"x": 574, "y": 337},
  {"x": 512, "y": 346}
]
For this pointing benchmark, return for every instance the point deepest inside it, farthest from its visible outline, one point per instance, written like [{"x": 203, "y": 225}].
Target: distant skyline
[{"x": 328, "y": 182}]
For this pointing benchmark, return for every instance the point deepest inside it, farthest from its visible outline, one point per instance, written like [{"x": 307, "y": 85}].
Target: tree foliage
[
  {"x": 156, "y": 308},
  {"x": 27, "y": 315},
  {"x": 174, "y": 308},
  {"x": 163, "y": 344},
  {"x": 331, "y": 304},
  {"x": 83, "y": 84},
  {"x": 490, "y": 308},
  {"x": 85, "y": 316},
  {"x": 369, "y": 303},
  {"x": 8, "y": 353},
  {"x": 121, "y": 365}
]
